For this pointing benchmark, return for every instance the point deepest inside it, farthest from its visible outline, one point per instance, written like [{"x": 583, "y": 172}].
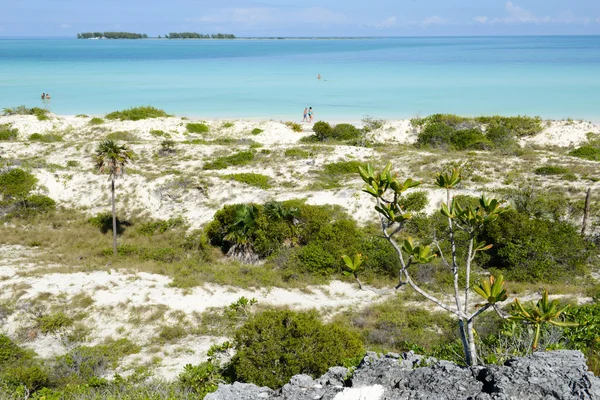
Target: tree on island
[
  {"x": 111, "y": 35},
  {"x": 111, "y": 158}
]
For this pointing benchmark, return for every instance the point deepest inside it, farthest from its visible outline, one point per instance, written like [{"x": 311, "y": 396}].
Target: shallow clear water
[{"x": 555, "y": 77}]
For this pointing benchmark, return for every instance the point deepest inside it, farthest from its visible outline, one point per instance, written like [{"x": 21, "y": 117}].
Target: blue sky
[{"x": 303, "y": 17}]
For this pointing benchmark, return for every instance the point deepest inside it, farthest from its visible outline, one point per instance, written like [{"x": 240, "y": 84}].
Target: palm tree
[{"x": 111, "y": 158}]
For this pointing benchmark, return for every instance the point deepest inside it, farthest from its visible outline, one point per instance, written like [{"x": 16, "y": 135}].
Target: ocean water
[{"x": 554, "y": 77}]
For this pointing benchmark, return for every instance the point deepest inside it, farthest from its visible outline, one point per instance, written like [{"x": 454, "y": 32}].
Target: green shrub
[
  {"x": 169, "y": 333},
  {"x": 551, "y": 170},
  {"x": 154, "y": 227},
  {"x": 436, "y": 135},
  {"x": 241, "y": 158},
  {"x": 121, "y": 135},
  {"x": 414, "y": 201},
  {"x": 251, "y": 179},
  {"x": 84, "y": 362},
  {"x": 159, "y": 133},
  {"x": 54, "y": 322},
  {"x": 470, "y": 139},
  {"x": 47, "y": 138},
  {"x": 137, "y": 113},
  {"x": 10, "y": 352},
  {"x": 32, "y": 376},
  {"x": 197, "y": 128},
  {"x": 8, "y": 133},
  {"x": 227, "y": 125},
  {"x": 33, "y": 205},
  {"x": 586, "y": 152},
  {"x": 73, "y": 163},
  {"x": 273, "y": 346},
  {"x": 342, "y": 167},
  {"x": 257, "y": 131},
  {"x": 82, "y": 116},
  {"x": 371, "y": 124},
  {"x": 346, "y": 132},
  {"x": 534, "y": 249},
  {"x": 40, "y": 113},
  {"x": 297, "y": 153},
  {"x": 294, "y": 126},
  {"x": 520, "y": 125},
  {"x": 201, "y": 379},
  {"x": 96, "y": 121},
  {"x": 323, "y": 131},
  {"x": 16, "y": 183}
]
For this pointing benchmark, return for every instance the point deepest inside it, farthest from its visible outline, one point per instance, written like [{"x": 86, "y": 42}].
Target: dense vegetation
[
  {"x": 137, "y": 113},
  {"x": 17, "y": 200},
  {"x": 194, "y": 35},
  {"x": 111, "y": 35},
  {"x": 447, "y": 131},
  {"x": 40, "y": 113}
]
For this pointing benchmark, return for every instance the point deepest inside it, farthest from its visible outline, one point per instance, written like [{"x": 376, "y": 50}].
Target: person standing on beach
[
  {"x": 305, "y": 118},
  {"x": 43, "y": 96},
  {"x": 310, "y": 114}
]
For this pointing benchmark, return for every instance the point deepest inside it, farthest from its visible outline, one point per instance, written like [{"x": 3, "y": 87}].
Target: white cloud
[
  {"x": 64, "y": 26},
  {"x": 519, "y": 15},
  {"x": 387, "y": 23},
  {"x": 435, "y": 20},
  {"x": 271, "y": 15}
]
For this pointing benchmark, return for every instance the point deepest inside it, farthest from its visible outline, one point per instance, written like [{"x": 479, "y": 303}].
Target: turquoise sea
[{"x": 551, "y": 76}]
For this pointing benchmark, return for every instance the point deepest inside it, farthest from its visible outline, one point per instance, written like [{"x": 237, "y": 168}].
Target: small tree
[
  {"x": 387, "y": 190},
  {"x": 111, "y": 158}
]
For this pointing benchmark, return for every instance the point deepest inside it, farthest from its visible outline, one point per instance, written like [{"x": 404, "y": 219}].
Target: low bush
[
  {"x": 54, "y": 322},
  {"x": 371, "y": 124},
  {"x": 237, "y": 159},
  {"x": 414, "y": 201},
  {"x": 10, "y": 352},
  {"x": 323, "y": 131},
  {"x": 8, "y": 133},
  {"x": 73, "y": 163},
  {"x": 170, "y": 333},
  {"x": 342, "y": 167},
  {"x": 294, "y": 126},
  {"x": 121, "y": 135},
  {"x": 96, "y": 121},
  {"x": 16, "y": 183},
  {"x": 257, "y": 131},
  {"x": 551, "y": 170},
  {"x": 251, "y": 179},
  {"x": 586, "y": 152},
  {"x": 197, "y": 128},
  {"x": 159, "y": 133},
  {"x": 155, "y": 227},
  {"x": 137, "y": 113},
  {"x": 46, "y": 138},
  {"x": 40, "y": 113},
  {"x": 33, "y": 205},
  {"x": 346, "y": 132},
  {"x": 297, "y": 153},
  {"x": 84, "y": 362},
  {"x": 227, "y": 125},
  {"x": 535, "y": 250},
  {"x": 273, "y": 346},
  {"x": 201, "y": 379}
]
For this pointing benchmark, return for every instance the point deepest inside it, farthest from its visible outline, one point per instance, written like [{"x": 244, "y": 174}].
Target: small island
[
  {"x": 195, "y": 35},
  {"x": 111, "y": 35}
]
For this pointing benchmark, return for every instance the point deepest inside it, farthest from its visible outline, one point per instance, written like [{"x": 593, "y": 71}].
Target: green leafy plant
[
  {"x": 256, "y": 131},
  {"x": 46, "y": 138},
  {"x": 544, "y": 311},
  {"x": 551, "y": 170},
  {"x": 96, "y": 121},
  {"x": 385, "y": 187},
  {"x": 237, "y": 159},
  {"x": 294, "y": 126}
]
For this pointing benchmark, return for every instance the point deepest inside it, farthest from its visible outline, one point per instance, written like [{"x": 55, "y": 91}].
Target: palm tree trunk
[{"x": 114, "y": 215}]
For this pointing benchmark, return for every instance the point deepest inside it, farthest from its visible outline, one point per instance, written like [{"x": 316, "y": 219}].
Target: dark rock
[{"x": 557, "y": 375}]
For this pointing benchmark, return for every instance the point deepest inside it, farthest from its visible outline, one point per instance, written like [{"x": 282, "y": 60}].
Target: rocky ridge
[{"x": 544, "y": 375}]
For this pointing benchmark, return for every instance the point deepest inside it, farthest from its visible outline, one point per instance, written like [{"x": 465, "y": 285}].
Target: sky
[{"x": 302, "y": 17}]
